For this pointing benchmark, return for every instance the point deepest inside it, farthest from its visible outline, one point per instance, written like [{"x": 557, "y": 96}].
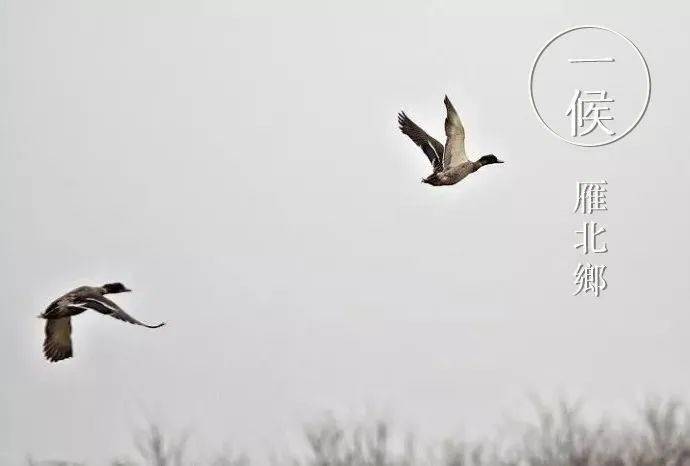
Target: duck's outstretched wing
[
  {"x": 454, "y": 152},
  {"x": 58, "y": 342},
  {"x": 431, "y": 147},
  {"x": 105, "y": 306}
]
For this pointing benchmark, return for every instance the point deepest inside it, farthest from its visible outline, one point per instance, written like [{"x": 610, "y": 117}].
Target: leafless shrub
[
  {"x": 559, "y": 436},
  {"x": 157, "y": 450},
  {"x": 331, "y": 444}
]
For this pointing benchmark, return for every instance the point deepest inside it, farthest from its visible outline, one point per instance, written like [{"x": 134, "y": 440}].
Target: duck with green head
[
  {"x": 58, "y": 315},
  {"x": 449, "y": 162}
]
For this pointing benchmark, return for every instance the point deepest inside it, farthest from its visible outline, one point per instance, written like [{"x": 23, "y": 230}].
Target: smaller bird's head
[
  {"x": 115, "y": 288},
  {"x": 489, "y": 159}
]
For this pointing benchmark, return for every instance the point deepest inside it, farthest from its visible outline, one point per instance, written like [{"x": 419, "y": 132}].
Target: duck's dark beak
[
  {"x": 126, "y": 290},
  {"x": 500, "y": 161}
]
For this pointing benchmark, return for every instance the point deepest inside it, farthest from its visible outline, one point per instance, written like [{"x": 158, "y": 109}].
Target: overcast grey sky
[{"x": 238, "y": 165}]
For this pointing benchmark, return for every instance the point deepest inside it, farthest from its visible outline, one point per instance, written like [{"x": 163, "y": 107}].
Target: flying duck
[
  {"x": 58, "y": 342},
  {"x": 450, "y": 163}
]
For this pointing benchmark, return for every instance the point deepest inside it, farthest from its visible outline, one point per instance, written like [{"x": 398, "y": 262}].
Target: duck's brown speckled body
[
  {"x": 450, "y": 162},
  {"x": 58, "y": 342}
]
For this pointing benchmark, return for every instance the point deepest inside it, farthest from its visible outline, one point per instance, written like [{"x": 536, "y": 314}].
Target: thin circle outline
[{"x": 647, "y": 76}]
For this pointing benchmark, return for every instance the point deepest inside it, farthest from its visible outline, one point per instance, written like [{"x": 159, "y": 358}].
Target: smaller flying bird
[
  {"x": 58, "y": 342},
  {"x": 450, "y": 163}
]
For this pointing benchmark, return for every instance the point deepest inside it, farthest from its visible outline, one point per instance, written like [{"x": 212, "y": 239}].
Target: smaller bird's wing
[
  {"x": 105, "y": 306},
  {"x": 58, "y": 342},
  {"x": 431, "y": 147},
  {"x": 454, "y": 153}
]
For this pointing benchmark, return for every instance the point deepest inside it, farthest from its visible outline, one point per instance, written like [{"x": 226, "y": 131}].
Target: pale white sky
[{"x": 240, "y": 168}]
